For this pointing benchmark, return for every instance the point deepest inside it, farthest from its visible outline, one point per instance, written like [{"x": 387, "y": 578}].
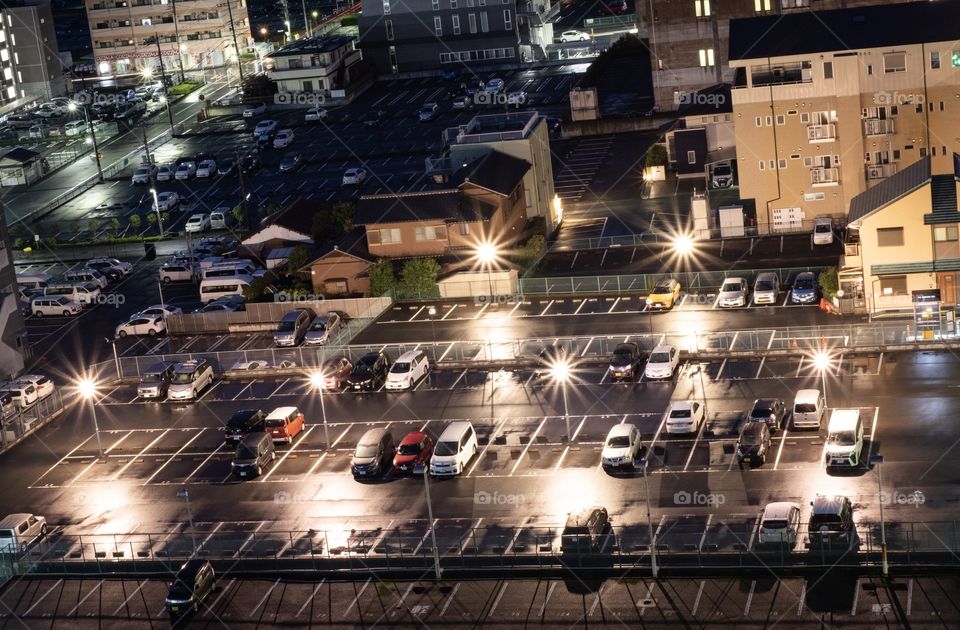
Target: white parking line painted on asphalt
[
  {"x": 479, "y": 457},
  {"x": 449, "y": 600},
  {"x": 223, "y": 590},
  {"x": 485, "y": 306},
  {"x": 279, "y": 387},
  {"x": 300, "y": 440},
  {"x": 41, "y": 598},
  {"x": 746, "y": 608},
  {"x": 134, "y": 458},
  {"x": 546, "y": 600},
  {"x": 203, "y": 463},
  {"x": 414, "y": 316},
  {"x": 312, "y": 595},
  {"x": 763, "y": 359},
  {"x": 803, "y": 597},
  {"x": 530, "y": 442},
  {"x": 544, "y": 311},
  {"x": 649, "y": 595},
  {"x": 245, "y": 388},
  {"x": 856, "y": 599},
  {"x": 171, "y": 458},
  {"x": 696, "y": 601},
  {"x": 783, "y": 440},
  {"x": 85, "y": 598},
  {"x": 264, "y": 598},
  {"x": 696, "y": 441},
  {"x": 496, "y": 602},
  {"x": 703, "y": 536},
  {"x": 447, "y": 314}
]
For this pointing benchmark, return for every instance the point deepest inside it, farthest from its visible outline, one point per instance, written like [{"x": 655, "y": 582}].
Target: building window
[
  {"x": 769, "y": 120},
  {"x": 483, "y": 3},
  {"x": 456, "y": 24},
  {"x": 781, "y": 119},
  {"x": 805, "y": 118},
  {"x": 691, "y": 157},
  {"x": 893, "y": 285},
  {"x": 761, "y": 165},
  {"x": 464, "y": 229},
  {"x": 438, "y": 26},
  {"x": 934, "y": 59},
  {"x": 945, "y": 233},
  {"x": 472, "y": 18},
  {"x": 484, "y": 23},
  {"x": 827, "y": 69},
  {"x": 702, "y": 8},
  {"x": 782, "y": 164},
  {"x": 761, "y": 5},
  {"x": 890, "y": 237},
  {"x": 426, "y": 234},
  {"x": 390, "y": 236},
  {"x": 389, "y": 26},
  {"x": 894, "y": 62},
  {"x": 436, "y": 5},
  {"x": 453, "y": 4},
  {"x": 386, "y": 7},
  {"x": 507, "y": 20},
  {"x": 706, "y": 57},
  {"x": 759, "y": 121},
  {"x": 955, "y": 58}
]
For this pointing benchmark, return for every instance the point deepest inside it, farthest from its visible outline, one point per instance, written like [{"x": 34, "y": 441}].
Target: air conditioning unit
[{"x": 875, "y": 172}]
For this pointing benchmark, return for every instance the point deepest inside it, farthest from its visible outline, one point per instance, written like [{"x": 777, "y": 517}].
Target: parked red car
[{"x": 413, "y": 453}]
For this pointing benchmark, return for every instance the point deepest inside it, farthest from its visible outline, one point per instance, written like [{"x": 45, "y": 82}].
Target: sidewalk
[{"x": 21, "y": 201}]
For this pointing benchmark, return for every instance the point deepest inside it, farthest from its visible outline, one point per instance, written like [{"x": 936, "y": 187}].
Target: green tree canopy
[
  {"x": 382, "y": 278},
  {"x": 419, "y": 277}
]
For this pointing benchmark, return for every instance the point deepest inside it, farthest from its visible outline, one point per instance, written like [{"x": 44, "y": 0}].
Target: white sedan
[
  {"x": 574, "y": 36},
  {"x": 159, "y": 310},
  {"x": 166, "y": 171},
  {"x": 186, "y": 170},
  {"x": 143, "y": 174},
  {"x": 314, "y": 114},
  {"x": 146, "y": 325},
  {"x": 354, "y": 176},
  {"x": 684, "y": 416},
  {"x": 264, "y": 126},
  {"x": 662, "y": 363},
  {"x": 207, "y": 168},
  {"x": 257, "y": 109},
  {"x": 197, "y": 223},
  {"x": 283, "y": 139},
  {"x": 167, "y": 201}
]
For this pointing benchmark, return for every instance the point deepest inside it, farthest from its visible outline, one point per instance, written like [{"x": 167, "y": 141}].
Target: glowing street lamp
[
  {"x": 683, "y": 244},
  {"x": 487, "y": 254},
  {"x": 822, "y": 362},
  {"x": 147, "y": 72},
  {"x": 87, "y": 388},
  {"x": 156, "y": 208},
  {"x": 318, "y": 380}
]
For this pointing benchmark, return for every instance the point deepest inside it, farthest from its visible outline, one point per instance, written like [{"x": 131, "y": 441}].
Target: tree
[
  {"x": 115, "y": 225},
  {"x": 829, "y": 281},
  {"x": 255, "y": 291},
  {"x": 134, "y": 223},
  {"x": 151, "y": 218},
  {"x": 330, "y": 224},
  {"x": 239, "y": 214},
  {"x": 93, "y": 225},
  {"x": 532, "y": 249},
  {"x": 74, "y": 227},
  {"x": 656, "y": 155},
  {"x": 382, "y": 278},
  {"x": 419, "y": 277},
  {"x": 297, "y": 259},
  {"x": 165, "y": 219},
  {"x": 258, "y": 86}
]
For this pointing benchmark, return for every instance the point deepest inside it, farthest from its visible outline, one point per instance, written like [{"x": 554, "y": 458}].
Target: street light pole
[
  {"x": 433, "y": 532},
  {"x": 653, "y": 533},
  {"x": 182, "y": 493},
  {"x": 566, "y": 411},
  {"x": 96, "y": 427},
  {"x": 878, "y": 461},
  {"x": 156, "y": 208},
  {"x": 323, "y": 413},
  {"x": 93, "y": 137}
]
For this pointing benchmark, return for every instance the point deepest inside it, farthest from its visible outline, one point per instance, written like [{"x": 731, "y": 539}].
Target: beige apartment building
[
  {"x": 192, "y": 34},
  {"x": 821, "y": 118},
  {"x": 688, "y": 39}
]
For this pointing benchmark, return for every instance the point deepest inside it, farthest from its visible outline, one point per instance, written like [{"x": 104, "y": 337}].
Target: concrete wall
[
  {"x": 498, "y": 285},
  {"x": 604, "y": 126}
]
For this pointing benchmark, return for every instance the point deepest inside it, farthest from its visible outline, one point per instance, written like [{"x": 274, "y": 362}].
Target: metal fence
[
  {"x": 23, "y": 422},
  {"x": 721, "y": 544}
]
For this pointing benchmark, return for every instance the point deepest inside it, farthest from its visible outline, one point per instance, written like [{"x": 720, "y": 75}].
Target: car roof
[
  {"x": 734, "y": 279},
  {"x": 410, "y": 355},
  {"x": 11, "y": 520},
  {"x": 681, "y": 404},
  {"x": 844, "y": 419},
  {"x": 766, "y": 403},
  {"x": 827, "y": 504},
  {"x": 413, "y": 437},
  {"x": 807, "y": 396},
  {"x": 454, "y": 429},
  {"x": 751, "y": 428},
  {"x": 281, "y": 412},
  {"x": 666, "y": 348},
  {"x": 778, "y": 510},
  {"x": 620, "y": 429},
  {"x": 190, "y": 568},
  {"x": 372, "y": 435}
]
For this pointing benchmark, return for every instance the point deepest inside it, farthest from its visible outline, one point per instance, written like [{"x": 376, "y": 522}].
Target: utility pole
[
  {"x": 236, "y": 47},
  {"x": 93, "y": 136},
  {"x": 243, "y": 189},
  {"x": 163, "y": 75},
  {"x": 176, "y": 33},
  {"x": 146, "y": 144}
]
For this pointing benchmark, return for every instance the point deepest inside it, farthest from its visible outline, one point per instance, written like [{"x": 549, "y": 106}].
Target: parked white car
[
  {"x": 176, "y": 271},
  {"x": 167, "y": 201},
  {"x": 264, "y": 126},
  {"x": 41, "y": 383},
  {"x": 138, "y": 325},
  {"x": 207, "y": 168},
  {"x": 354, "y": 176},
  {"x": 779, "y": 523},
  {"x": 186, "y": 170},
  {"x": 166, "y": 171},
  {"x": 197, "y": 223},
  {"x": 233, "y": 98},
  {"x": 143, "y": 174},
  {"x": 622, "y": 447},
  {"x": 159, "y": 310},
  {"x": 684, "y": 416},
  {"x": 574, "y": 36},
  {"x": 124, "y": 267},
  {"x": 283, "y": 139},
  {"x": 408, "y": 370},
  {"x": 54, "y": 306},
  {"x": 314, "y": 114},
  {"x": 733, "y": 293},
  {"x": 257, "y": 109},
  {"x": 663, "y": 361},
  {"x": 494, "y": 86}
]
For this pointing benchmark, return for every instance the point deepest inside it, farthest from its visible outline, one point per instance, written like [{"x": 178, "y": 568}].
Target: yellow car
[{"x": 664, "y": 294}]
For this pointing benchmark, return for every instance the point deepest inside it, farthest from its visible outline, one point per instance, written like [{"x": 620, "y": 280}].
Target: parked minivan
[
  {"x": 808, "y": 409},
  {"x": 284, "y": 424},
  {"x": 454, "y": 449},
  {"x": 24, "y": 394},
  {"x": 293, "y": 327},
  {"x": 190, "y": 378},
  {"x": 409, "y": 368},
  {"x": 220, "y": 219},
  {"x": 244, "y": 422},
  {"x": 831, "y": 521},
  {"x": 373, "y": 455},
  {"x": 86, "y": 294},
  {"x": 584, "y": 530},
  {"x": 254, "y": 453},
  {"x": 33, "y": 280},
  {"x": 54, "y": 306},
  {"x": 191, "y": 585},
  {"x": 156, "y": 380},
  {"x": 214, "y": 288},
  {"x": 822, "y": 231},
  {"x": 766, "y": 288},
  {"x": 19, "y": 531},
  {"x": 844, "y": 438},
  {"x": 87, "y": 275}
]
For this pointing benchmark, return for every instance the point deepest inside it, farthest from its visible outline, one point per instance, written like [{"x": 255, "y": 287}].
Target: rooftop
[
  {"x": 494, "y": 128},
  {"x": 876, "y": 26},
  {"x": 889, "y": 190},
  {"x": 310, "y": 45},
  {"x": 446, "y": 205}
]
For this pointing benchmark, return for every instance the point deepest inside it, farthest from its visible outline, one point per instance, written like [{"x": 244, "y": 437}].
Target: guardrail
[
  {"x": 622, "y": 546},
  {"x": 627, "y": 20}
]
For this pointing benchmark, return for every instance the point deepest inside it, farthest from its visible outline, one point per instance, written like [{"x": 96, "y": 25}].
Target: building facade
[
  {"x": 419, "y": 35},
  {"x": 820, "y": 119},
  {"x": 129, "y": 36},
  {"x": 316, "y": 66},
  {"x": 30, "y": 66},
  {"x": 688, "y": 39}
]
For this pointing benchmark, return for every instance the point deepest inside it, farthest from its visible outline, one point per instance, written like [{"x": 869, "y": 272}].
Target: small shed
[{"x": 21, "y": 166}]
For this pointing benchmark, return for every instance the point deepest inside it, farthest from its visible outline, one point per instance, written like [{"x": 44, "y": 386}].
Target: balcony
[
  {"x": 851, "y": 256},
  {"x": 877, "y": 127},
  {"x": 880, "y": 171},
  {"x": 822, "y": 133},
  {"x": 825, "y": 176}
]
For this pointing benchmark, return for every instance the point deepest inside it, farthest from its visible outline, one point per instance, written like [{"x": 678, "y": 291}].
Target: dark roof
[
  {"x": 448, "y": 205},
  {"x": 308, "y": 45},
  {"x": 706, "y": 102},
  {"x": 845, "y": 29},
  {"x": 21, "y": 155},
  {"x": 298, "y": 217},
  {"x": 890, "y": 189},
  {"x": 498, "y": 172}
]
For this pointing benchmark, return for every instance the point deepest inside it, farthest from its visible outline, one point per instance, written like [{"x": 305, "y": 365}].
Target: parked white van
[
  {"x": 189, "y": 379},
  {"x": 808, "y": 409},
  {"x": 213, "y": 288},
  {"x": 19, "y": 531},
  {"x": 24, "y": 394},
  {"x": 766, "y": 289},
  {"x": 407, "y": 371},
  {"x": 87, "y": 275},
  {"x": 229, "y": 269},
  {"x": 454, "y": 449},
  {"x": 54, "y": 306},
  {"x": 86, "y": 293},
  {"x": 33, "y": 280},
  {"x": 844, "y": 438}
]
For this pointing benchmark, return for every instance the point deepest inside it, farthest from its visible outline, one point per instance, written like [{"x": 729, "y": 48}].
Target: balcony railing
[
  {"x": 877, "y": 127},
  {"x": 880, "y": 171},
  {"x": 822, "y": 133},
  {"x": 824, "y": 176},
  {"x": 851, "y": 256}
]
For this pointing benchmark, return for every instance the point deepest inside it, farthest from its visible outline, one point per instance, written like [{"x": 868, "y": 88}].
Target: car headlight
[{"x": 649, "y": 301}]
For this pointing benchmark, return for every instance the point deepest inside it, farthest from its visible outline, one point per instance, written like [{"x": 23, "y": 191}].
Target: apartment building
[
  {"x": 829, "y": 104},
  {"x": 318, "y": 66},
  {"x": 14, "y": 348},
  {"x": 30, "y": 67},
  {"x": 417, "y": 35},
  {"x": 130, "y": 35},
  {"x": 688, "y": 39}
]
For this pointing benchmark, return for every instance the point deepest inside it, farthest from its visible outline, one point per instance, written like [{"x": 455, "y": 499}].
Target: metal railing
[
  {"x": 23, "y": 422},
  {"x": 718, "y": 544}
]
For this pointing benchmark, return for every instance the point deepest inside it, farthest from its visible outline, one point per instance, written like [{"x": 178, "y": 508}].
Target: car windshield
[
  {"x": 622, "y": 357},
  {"x": 319, "y": 326},
  {"x": 721, "y": 170},
  {"x": 680, "y": 413},
  {"x": 662, "y": 287},
  {"x": 828, "y": 521},
  {"x": 659, "y": 357},
  {"x": 778, "y": 524},
  {"x": 178, "y": 590},
  {"x": 409, "y": 449},
  {"x": 366, "y": 450},
  {"x": 183, "y": 377},
  {"x": 761, "y": 412},
  {"x": 730, "y": 286},
  {"x": 842, "y": 438},
  {"x": 618, "y": 441},
  {"x": 750, "y": 439},
  {"x": 400, "y": 368},
  {"x": 150, "y": 378},
  {"x": 764, "y": 286},
  {"x": 805, "y": 283},
  {"x": 286, "y": 326},
  {"x": 823, "y": 228},
  {"x": 445, "y": 448},
  {"x": 361, "y": 369},
  {"x": 245, "y": 452}
]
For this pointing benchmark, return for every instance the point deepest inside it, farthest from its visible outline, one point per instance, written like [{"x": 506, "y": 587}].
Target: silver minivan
[
  {"x": 292, "y": 328},
  {"x": 766, "y": 288},
  {"x": 19, "y": 531},
  {"x": 87, "y": 275}
]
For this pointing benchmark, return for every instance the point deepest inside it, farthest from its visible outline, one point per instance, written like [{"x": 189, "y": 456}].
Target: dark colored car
[
  {"x": 770, "y": 411},
  {"x": 243, "y": 423},
  {"x": 373, "y": 455},
  {"x": 413, "y": 453},
  {"x": 225, "y": 165},
  {"x": 290, "y": 161},
  {"x": 190, "y": 586},
  {"x": 373, "y": 118},
  {"x": 249, "y": 164},
  {"x": 584, "y": 530},
  {"x": 754, "y": 445},
  {"x": 625, "y": 362},
  {"x": 369, "y": 372},
  {"x": 106, "y": 269}
]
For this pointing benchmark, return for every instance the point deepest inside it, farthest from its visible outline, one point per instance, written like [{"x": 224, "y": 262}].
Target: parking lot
[{"x": 757, "y": 601}]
